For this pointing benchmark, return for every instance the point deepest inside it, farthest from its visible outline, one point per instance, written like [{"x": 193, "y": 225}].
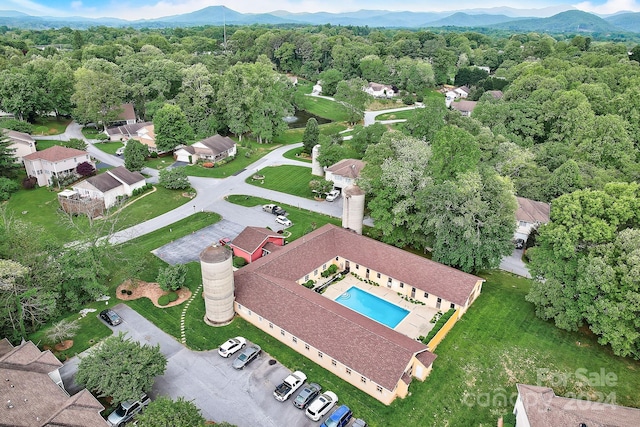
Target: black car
[
  {"x": 111, "y": 317},
  {"x": 306, "y": 396},
  {"x": 519, "y": 243}
]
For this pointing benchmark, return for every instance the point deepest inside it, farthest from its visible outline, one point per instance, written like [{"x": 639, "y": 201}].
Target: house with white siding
[{"x": 55, "y": 162}]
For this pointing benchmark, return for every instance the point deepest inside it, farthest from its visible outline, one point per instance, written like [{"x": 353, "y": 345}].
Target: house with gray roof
[
  {"x": 369, "y": 355},
  {"x": 529, "y": 215},
  {"x": 33, "y": 393},
  {"x": 212, "y": 149},
  {"x": 22, "y": 144},
  {"x": 110, "y": 186}
]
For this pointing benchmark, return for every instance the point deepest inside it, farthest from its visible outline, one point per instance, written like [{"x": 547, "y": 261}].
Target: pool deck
[{"x": 416, "y": 323}]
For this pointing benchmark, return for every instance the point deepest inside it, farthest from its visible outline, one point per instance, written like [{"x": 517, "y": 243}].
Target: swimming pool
[{"x": 373, "y": 307}]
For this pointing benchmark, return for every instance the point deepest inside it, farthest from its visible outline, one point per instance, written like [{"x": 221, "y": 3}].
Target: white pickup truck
[{"x": 289, "y": 386}]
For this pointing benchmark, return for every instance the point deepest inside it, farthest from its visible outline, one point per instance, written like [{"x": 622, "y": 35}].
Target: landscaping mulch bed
[{"x": 141, "y": 289}]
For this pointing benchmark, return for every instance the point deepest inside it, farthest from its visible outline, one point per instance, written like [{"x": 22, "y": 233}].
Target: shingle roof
[
  {"x": 56, "y": 153},
  {"x": 18, "y": 137},
  {"x": 532, "y": 211},
  {"x": 349, "y": 168},
  {"x": 463, "y": 106},
  {"x": 127, "y": 130},
  {"x": 125, "y": 175},
  {"x": 104, "y": 182},
  {"x": 34, "y": 399},
  {"x": 128, "y": 112},
  {"x": 545, "y": 409},
  {"x": 375, "y": 351},
  {"x": 218, "y": 144},
  {"x": 252, "y": 238}
]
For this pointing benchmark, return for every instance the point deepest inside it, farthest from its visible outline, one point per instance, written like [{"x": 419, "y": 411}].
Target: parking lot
[{"x": 244, "y": 397}]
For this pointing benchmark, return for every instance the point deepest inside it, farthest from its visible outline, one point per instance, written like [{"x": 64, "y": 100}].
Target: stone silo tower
[
  {"x": 316, "y": 168},
  {"x": 217, "y": 280},
  {"x": 353, "y": 208}
]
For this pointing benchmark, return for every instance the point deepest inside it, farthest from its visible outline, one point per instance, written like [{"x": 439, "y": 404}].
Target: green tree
[
  {"x": 164, "y": 412},
  {"x": 121, "y": 368},
  {"x": 352, "y": 96},
  {"x": 455, "y": 151},
  {"x": 330, "y": 152},
  {"x": 76, "y": 143},
  {"x": 171, "y": 128},
  {"x": 174, "y": 178},
  {"x": 311, "y": 136},
  {"x": 365, "y": 136},
  {"x": 329, "y": 80},
  {"x": 425, "y": 122},
  {"x": 173, "y": 277},
  {"x": 320, "y": 187},
  {"x": 97, "y": 92},
  {"x": 135, "y": 154},
  {"x": 9, "y": 168}
]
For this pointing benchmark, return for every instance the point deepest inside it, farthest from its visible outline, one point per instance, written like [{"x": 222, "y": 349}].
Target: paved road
[
  {"x": 514, "y": 264},
  {"x": 243, "y": 398},
  {"x": 370, "y": 116}
]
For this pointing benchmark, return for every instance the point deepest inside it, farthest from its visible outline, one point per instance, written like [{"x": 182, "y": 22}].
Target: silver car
[{"x": 246, "y": 356}]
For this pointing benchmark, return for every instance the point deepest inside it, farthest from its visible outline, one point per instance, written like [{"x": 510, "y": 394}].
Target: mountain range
[{"x": 564, "y": 19}]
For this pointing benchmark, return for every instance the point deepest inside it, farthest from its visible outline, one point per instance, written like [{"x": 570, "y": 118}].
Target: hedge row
[{"x": 439, "y": 324}]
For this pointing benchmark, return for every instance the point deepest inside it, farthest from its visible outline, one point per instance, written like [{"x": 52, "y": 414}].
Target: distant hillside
[
  {"x": 462, "y": 19},
  {"x": 217, "y": 15},
  {"x": 572, "y": 21},
  {"x": 627, "y": 21}
]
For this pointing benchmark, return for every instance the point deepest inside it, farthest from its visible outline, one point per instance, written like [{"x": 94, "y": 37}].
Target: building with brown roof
[
  {"x": 369, "y": 355},
  {"x": 22, "y": 144},
  {"x": 345, "y": 172},
  {"x": 255, "y": 242},
  {"x": 464, "y": 107},
  {"x": 142, "y": 132},
  {"x": 55, "y": 163},
  {"x": 540, "y": 407},
  {"x": 212, "y": 149},
  {"x": 378, "y": 90},
  {"x": 33, "y": 394},
  {"x": 110, "y": 186},
  {"x": 128, "y": 114},
  {"x": 529, "y": 215}
]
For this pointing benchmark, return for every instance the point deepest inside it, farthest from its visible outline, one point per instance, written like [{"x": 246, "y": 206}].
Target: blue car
[{"x": 339, "y": 418}]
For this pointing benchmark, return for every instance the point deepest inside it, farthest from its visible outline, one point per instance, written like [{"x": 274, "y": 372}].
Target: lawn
[
  {"x": 294, "y": 154},
  {"x": 45, "y": 126},
  {"x": 109, "y": 147},
  {"x": 287, "y": 179},
  {"x": 40, "y": 207},
  {"x": 241, "y": 161},
  {"x": 292, "y": 136},
  {"x": 395, "y": 116}
]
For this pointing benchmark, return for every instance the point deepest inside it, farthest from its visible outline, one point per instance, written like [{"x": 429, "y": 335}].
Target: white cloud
[
  {"x": 30, "y": 7},
  {"x": 610, "y": 6},
  {"x": 77, "y": 5}
]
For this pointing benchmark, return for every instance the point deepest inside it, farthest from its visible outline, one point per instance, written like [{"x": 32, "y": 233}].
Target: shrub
[
  {"x": 439, "y": 324},
  {"x": 17, "y": 125},
  {"x": 153, "y": 155},
  {"x": 7, "y": 187},
  {"x": 29, "y": 182},
  {"x": 85, "y": 169},
  {"x": 168, "y": 298},
  {"x": 309, "y": 284},
  {"x": 239, "y": 262},
  {"x": 174, "y": 179},
  {"x": 172, "y": 277},
  {"x": 207, "y": 165}
]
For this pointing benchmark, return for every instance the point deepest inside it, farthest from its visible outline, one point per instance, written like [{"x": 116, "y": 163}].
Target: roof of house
[
  {"x": 349, "y": 168},
  {"x": 497, "y": 94},
  {"x": 464, "y": 106},
  {"x": 252, "y": 238},
  {"x": 379, "y": 87},
  {"x": 57, "y": 153},
  {"x": 113, "y": 178},
  {"x": 128, "y": 112},
  {"x": 125, "y": 175},
  {"x": 532, "y": 211},
  {"x": 464, "y": 89},
  {"x": 215, "y": 145},
  {"x": 370, "y": 348},
  {"x": 127, "y": 130},
  {"x": 34, "y": 399},
  {"x": 545, "y": 409},
  {"x": 18, "y": 137},
  {"x": 103, "y": 182}
]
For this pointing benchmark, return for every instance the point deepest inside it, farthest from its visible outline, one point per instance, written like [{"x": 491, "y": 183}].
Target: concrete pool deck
[{"x": 416, "y": 324}]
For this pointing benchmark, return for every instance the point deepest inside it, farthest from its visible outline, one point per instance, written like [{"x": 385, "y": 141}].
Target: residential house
[
  {"x": 255, "y": 242},
  {"x": 378, "y": 90},
  {"x": 464, "y": 107},
  {"x": 110, "y": 186},
  {"x": 211, "y": 149},
  {"x": 33, "y": 393},
  {"x": 20, "y": 143},
  {"x": 462, "y": 91},
  {"x": 529, "y": 215},
  {"x": 369, "y": 355},
  {"x": 539, "y": 407},
  {"x": 143, "y": 132},
  {"x": 344, "y": 173},
  {"x": 452, "y": 94},
  {"x": 55, "y": 162},
  {"x": 128, "y": 115},
  {"x": 317, "y": 89},
  {"x": 496, "y": 94}
]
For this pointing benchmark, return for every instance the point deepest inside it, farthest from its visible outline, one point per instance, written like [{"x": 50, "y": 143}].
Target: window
[
  {"x": 452, "y": 305},
  {"x": 271, "y": 325},
  {"x": 357, "y": 266},
  {"x": 389, "y": 282},
  {"x": 363, "y": 379},
  {"x": 379, "y": 388},
  {"x": 282, "y": 332},
  {"x": 320, "y": 354},
  {"x": 438, "y": 302},
  {"x": 426, "y": 294},
  {"x": 413, "y": 292},
  {"x": 337, "y": 258},
  {"x": 348, "y": 371},
  {"x": 324, "y": 266},
  {"x": 378, "y": 275},
  {"x": 401, "y": 285},
  {"x": 334, "y": 362},
  {"x": 249, "y": 311},
  {"x": 239, "y": 306},
  {"x": 315, "y": 272},
  {"x": 259, "y": 318},
  {"x": 306, "y": 278},
  {"x": 294, "y": 339},
  {"x": 306, "y": 346}
]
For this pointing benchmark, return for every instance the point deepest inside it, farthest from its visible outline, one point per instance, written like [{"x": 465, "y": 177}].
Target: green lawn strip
[
  {"x": 150, "y": 205},
  {"x": 43, "y": 144},
  {"x": 294, "y": 154},
  {"x": 288, "y": 179},
  {"x": 93, "y": 133},
  {"x": 405, "y": 114},
  {"x": 322, "y": 107},
  {"x": 293, "y": 136},
  {"x": 50, "y": 126},
  {"x": 109, "y": 147},
  {"x": 240, "y": 162}
]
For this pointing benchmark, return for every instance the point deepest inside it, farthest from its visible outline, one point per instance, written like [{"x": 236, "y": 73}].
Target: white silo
[
  {"x": 353, "y": 208},
  {"x": 316, "y": 168},
  {"x": 217, "y": 280}
]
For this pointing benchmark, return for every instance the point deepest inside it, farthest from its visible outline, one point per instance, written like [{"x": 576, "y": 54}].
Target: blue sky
[{"x": 140, "y": 9}]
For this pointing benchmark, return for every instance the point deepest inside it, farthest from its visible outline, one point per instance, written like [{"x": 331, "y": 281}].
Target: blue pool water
[{"x": 373, "y": 307}]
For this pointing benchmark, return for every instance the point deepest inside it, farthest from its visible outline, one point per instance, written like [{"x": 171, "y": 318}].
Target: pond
[{"x": 299, "y": 119}]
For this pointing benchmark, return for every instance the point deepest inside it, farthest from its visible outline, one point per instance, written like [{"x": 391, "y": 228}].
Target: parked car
[
  {"x": 268, "y": 208},
  {"x": 281, "y": 219},
  {"x": 120, "y": 151},
  {"x": 519, "y": 243},
  {"x": 224, "y": 241},
  {"x": 246, "y": 356},
  {"x": 231, "y": 346},
  {"x": 274, "y": 209},
  {"x": 126, "y": 411},
  {"x": 306, "y": 396},
  {"x": 289, "y": 385},
  {"x": 111, "y": 317},
  {"x": 339, "y": 418},
  {"x": 321, "y": 405},
  {"x": 332, "y": 195}
]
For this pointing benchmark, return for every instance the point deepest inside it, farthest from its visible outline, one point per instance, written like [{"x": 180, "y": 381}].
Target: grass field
[
  {"x": 287, "y": 179},
  {"x": 294, "y": 154},
  {"x": 239, "y": 163},
  {"x": 292, "y": 136},
  {"x": 45, "y": 126},
  {"x": 395, "y": 116}
]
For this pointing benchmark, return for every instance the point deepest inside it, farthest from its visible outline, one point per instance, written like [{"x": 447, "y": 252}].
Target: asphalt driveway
[{"x": 243, "y": 398}]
